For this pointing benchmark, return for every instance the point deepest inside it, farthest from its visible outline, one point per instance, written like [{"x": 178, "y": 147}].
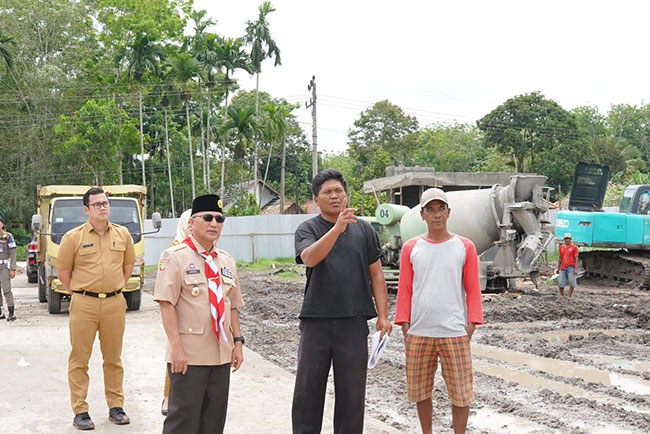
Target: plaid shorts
[{"x": 422, "y": 361}]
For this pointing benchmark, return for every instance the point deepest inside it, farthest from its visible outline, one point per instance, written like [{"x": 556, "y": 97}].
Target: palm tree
[
  {"x": 243, "y": 123},
  {"x": 143, "y": 55},
  {"x": 5, "y": 54},
  {"x": 263, "y": 46},
  {"x": 274, "y": 129},
  {"x": 183, "y": 69},
  {"x": 230, "y": 57},
  {"x": 201, "y": 50}
]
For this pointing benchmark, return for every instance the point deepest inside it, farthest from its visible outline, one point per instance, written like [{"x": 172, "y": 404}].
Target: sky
[{"x": 444, "y": 61}]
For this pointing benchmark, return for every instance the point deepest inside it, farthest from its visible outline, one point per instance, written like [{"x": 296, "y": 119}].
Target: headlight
[{"x": 139, "y": 263}]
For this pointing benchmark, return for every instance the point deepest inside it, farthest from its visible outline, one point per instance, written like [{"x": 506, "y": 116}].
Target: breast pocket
[
  {"x": 85, "y": 250},
  {"x": 227, "y": 284},
  {"x": 118, "y": 246},
  {"x": 195, "y": 286}
]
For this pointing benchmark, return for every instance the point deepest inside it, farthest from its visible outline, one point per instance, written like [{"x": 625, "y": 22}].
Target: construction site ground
[{"x": 542, "y": 364}]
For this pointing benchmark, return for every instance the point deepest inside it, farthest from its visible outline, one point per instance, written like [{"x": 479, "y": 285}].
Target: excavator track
[{"x": 628, "y": 266}]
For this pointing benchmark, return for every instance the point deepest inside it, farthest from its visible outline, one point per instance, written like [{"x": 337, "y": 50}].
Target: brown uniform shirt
[
  {"x": 96, "y": 261},
  {"x": 7, "y": 251},
  {"x": 181, "y": 270}
]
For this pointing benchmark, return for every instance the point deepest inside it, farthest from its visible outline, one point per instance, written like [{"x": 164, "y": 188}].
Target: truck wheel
[
  {"x": 133, "y": 299},
  {"x": 53, "y": 301},
  {"x": 42, "y": 286}
]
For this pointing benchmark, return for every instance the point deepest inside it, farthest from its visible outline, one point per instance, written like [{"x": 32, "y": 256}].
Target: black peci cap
[{"x": 208, "y": 202}]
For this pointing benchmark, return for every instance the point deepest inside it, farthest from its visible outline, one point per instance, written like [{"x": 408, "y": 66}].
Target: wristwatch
[{"x": 238, "y": 339}]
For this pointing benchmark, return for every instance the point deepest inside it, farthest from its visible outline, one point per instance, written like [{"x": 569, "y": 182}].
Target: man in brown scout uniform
[
  {"x": 199, "y": 294},
  {"x": 7, "y": 269},
  {"x": 95, "y": 261}
]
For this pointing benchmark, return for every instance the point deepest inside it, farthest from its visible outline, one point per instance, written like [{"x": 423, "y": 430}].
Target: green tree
[
  {"x": 263, "y": 46},
  {"x": 6, "y": 42},
  {"x": 450, "y": 148},
  {"x": 183, "y": 70},
  {"x": 527, "y": 125},
  {"x": 384, "y": 126},
  {"x": 142, "y": 55},
  {"x": 95, "y": 135},
  {"x": 230, "y": 57}
]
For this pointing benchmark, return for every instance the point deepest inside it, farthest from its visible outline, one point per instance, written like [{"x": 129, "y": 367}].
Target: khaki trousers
[
  {"x": 5, "y": 284},
  {"x": 89, "y": 315}
]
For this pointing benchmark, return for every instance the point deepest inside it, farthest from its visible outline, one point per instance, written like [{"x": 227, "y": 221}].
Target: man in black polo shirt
[{"x": 343, "y": 275}]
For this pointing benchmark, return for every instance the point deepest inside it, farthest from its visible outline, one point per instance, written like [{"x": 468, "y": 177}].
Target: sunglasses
[{"x": 209, "y": 217}]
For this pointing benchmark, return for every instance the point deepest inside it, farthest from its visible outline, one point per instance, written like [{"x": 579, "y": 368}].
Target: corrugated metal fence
[
  {"x": 253, "y": 237},
  {"x": 245, "y": 238}
]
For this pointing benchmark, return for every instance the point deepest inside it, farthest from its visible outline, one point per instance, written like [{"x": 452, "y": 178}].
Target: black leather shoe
[
  {"x": 117, "y": 416},
  {"x": 83, "y": 421},
  {"x": 163, "y": 407},
  {"x": 11, "y": 317}
]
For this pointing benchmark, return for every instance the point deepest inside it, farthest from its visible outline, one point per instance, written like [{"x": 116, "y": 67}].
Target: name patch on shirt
[
  {"x": 87, "y": 245},
  {"x": 193, "y": 272}
]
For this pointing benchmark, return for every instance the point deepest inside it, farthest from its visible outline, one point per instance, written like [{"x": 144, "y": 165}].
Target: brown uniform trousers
[
  {"x": 97, "y": 264},
  {"x": 7, "y": 262}
]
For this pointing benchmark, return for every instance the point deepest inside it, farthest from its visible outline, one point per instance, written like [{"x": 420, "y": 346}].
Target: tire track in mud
[{"x": 601, "y": 329}]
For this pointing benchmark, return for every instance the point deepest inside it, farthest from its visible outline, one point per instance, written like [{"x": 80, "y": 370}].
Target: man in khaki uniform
[
  {"x": 7, "y": 269},
  {"x": 95, "y": 261},
  {"x": 199, "y": 294}
]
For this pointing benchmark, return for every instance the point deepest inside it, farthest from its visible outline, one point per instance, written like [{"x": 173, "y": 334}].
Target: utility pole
[{"x": 314, "y": 135}]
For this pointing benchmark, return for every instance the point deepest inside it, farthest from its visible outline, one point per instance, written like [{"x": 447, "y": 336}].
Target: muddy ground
[{"x": 542, "y": 364}]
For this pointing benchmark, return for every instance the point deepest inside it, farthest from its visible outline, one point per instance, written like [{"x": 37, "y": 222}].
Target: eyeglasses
[
  {"x": 98, "y": 205},
  {"x": 209, "y": 217}
]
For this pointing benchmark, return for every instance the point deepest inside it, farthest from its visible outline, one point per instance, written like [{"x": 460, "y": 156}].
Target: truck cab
[{"x": 60, "y": 210}]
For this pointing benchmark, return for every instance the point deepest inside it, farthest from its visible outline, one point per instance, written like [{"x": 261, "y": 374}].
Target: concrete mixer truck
[{"x": 505, "y": 222}]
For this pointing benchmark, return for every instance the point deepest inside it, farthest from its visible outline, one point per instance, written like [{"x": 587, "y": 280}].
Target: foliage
[
  {"x": 246, "y": 205},
  {"x": 385, "y": 127},
  {"x": 528, "y": 125},
  {"x": 96, "y": 134},
  {"x": 450, "y": 148}
]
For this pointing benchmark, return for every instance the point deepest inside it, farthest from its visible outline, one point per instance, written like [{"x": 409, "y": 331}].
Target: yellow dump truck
[{"x": 60, "y": 209}]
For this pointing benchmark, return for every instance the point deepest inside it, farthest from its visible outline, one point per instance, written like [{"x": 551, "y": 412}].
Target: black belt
[{"x": 99, "y": 294}]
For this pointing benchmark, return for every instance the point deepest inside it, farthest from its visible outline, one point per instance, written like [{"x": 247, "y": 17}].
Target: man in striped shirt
[{"x": 438, "y": 307}]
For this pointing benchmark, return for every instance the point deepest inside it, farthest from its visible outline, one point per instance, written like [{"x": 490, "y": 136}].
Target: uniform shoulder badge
[{"x": 163, "y": 263}]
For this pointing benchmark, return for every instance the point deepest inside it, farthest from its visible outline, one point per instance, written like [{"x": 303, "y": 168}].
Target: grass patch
[
  {"x": 21, "y": 253},
  {"x": 150, "y": 268},
  {"x": 265, "y": 264},
  {"x": 288, "y": 275}
]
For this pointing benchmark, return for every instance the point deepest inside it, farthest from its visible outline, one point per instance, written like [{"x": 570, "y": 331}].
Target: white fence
[{"x": 245, "y": 238}]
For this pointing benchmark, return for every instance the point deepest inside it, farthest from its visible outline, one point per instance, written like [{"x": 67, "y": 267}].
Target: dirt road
[
  {"x": 542, "y": 365},
  {"x": 34, "y": 395}
]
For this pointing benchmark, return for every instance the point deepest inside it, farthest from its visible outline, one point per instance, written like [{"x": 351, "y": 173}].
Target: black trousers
[
  {"x": 342, "y": 342},
  {"x": 198, "y": 400}
]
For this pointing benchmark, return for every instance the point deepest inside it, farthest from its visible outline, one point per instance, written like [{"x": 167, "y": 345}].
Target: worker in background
[
  {"x": 199, "y": 295},
  {"x": 95, "y": 262},
  {"x": 344, "y": 274},
  {"x": 438, "y": 307},
  {"x": 7, "y": 270},
  {"x": 182, "y": 231},
  {"x": 567, "y": 265}
]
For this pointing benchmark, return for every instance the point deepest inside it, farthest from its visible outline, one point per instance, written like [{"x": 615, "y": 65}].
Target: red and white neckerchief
[{"x": 215, "y": 292}]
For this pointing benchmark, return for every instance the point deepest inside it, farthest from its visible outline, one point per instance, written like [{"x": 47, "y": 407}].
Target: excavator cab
[{"x": 636, "y": 200}]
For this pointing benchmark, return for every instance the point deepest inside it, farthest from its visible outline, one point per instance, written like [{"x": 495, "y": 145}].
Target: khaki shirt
[
  {"x": 96, "y": 261},
  {"x": 7, "y": 251},
  {"x": 179, "y": 271}
]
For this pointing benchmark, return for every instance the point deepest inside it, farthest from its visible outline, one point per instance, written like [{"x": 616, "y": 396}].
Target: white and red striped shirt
[{"x": 439, "y": 290}]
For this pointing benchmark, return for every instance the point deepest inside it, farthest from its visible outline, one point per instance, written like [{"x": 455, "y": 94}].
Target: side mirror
[
  {"x": 156, "y": 221},
  {"x": 37, "y": 222}
]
